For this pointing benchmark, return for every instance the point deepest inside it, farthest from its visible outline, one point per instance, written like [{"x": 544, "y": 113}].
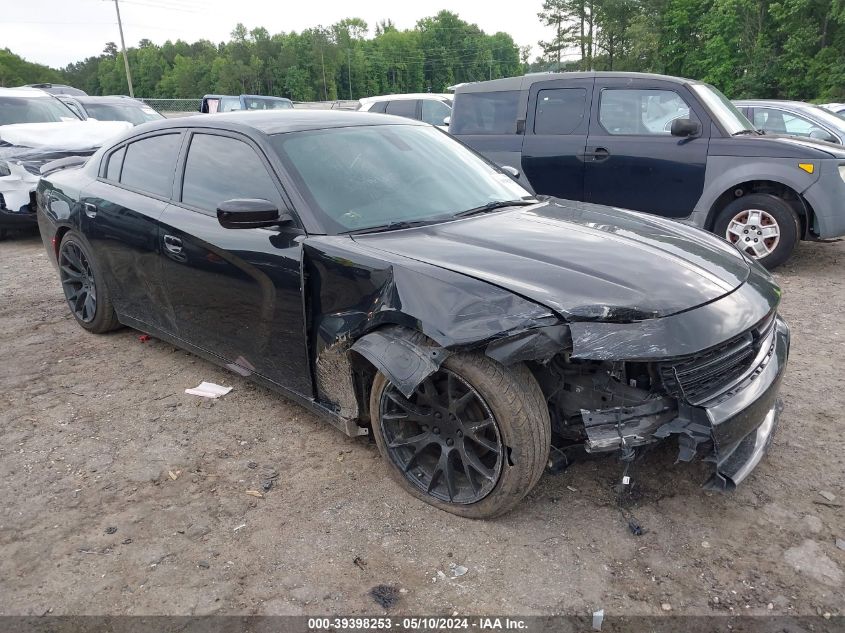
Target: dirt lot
[{"x": 91, "y": 522}]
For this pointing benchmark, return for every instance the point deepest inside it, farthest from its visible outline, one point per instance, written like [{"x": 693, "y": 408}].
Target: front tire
[
  {"x": 85, "y": 290},
  {"x": 761, "y": 225},
  {"x": 473, "y": 439}
]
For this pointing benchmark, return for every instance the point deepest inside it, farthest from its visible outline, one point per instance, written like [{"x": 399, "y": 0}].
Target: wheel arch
[
  {"x": 59, "y": 235},
  {"x": 773, "y": 187}
]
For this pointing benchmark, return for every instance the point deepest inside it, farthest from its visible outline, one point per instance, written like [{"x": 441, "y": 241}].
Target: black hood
[{"x": 586, "y": 262}]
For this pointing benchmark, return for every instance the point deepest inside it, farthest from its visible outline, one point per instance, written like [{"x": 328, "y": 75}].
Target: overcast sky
[{"x": 57, "y": 32}]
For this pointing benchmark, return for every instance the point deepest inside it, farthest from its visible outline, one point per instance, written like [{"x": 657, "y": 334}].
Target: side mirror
[
  {"x": 513, "y": 172},
  {"x": 822, "y": 135},
  {"x": 250, "y": 213},
  {"x": 447, "y": 121},
  {"x": 685, "y": 127}
]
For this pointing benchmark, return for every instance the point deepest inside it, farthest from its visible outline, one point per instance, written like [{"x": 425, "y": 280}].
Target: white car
[
  {"x": 836, "y": 108},
  {"x": 35, "y": 129},
  {"x": 431, "y": 107}
]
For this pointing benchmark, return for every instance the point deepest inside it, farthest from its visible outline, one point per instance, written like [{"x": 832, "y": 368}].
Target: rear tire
[
  {"x": 493, "y": 465},
  {"x": 85, "y": 290},
  {"x": 761, "y": 225}
]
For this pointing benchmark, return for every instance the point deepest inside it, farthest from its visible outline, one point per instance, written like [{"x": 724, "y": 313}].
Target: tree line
[
  {"x": 789, "y": 49},
  {"x": 748, "y": 48},
  {"x": 321, "y": 63}
]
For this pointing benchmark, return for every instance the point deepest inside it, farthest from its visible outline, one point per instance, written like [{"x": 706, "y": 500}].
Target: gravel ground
[{"x": 120, "y": 494}]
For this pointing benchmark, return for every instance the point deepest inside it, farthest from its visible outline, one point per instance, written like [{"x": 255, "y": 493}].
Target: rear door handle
[
  {"x": 597, "y": 154},
  {"x": 90, "y": 210},
  {"x": 172, "y": 244}
]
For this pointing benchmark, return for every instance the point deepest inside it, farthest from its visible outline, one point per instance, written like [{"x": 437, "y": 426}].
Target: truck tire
[
  {"x": 761, "y": 225},
  {"x": 473, "y": 439}
]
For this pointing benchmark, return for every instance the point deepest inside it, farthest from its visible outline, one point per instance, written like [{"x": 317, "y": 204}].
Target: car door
[
  {"x": 632, "y": 160},
  {"x": 121, "y": 214},
  {"x": 556, "y": 136},
  {"x": 237, "y": 293}
]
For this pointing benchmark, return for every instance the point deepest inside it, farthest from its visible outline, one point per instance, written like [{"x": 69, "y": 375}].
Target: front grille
[{"x": 699, "y": 378}]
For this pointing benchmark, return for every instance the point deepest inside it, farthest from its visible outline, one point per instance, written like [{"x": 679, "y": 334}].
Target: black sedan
[{"x": 388, "y": 278}]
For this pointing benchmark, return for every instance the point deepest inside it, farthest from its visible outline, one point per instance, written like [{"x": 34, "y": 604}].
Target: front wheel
[
  {"x": 762, "y": 226},
  {"x": 473, "y": 439}
]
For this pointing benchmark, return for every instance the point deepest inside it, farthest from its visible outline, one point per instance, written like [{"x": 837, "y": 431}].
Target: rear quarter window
[
  {"x": 485, "y": 113},
  {"x": 115, "y": 162}
]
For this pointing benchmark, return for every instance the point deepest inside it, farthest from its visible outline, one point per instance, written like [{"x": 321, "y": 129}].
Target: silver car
[{"x": 794, "y": 118}]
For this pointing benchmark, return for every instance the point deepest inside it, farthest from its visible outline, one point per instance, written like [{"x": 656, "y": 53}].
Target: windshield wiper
[
  {"x": 492, "y": 206},
  {"x": 391, "y": 226},
  {"x": 745, "y": 132}
]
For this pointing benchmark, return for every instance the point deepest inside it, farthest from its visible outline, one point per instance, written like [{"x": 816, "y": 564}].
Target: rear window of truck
[{"x": 485, "y": 113}]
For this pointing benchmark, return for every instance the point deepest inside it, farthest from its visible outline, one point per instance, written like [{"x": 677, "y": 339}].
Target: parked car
[
  {"x": 430, "y": 107},
  {"x": 58, "y": 89},
  {"x": 212, "y": 104},
  {"x": 664, "y": 145},
  {"x": 794, "y": 118},
  {"x": 434, "y": 303},
  {"x": 36, "y": 128},
  {"x": 116, "y": 108},
  {"x": 836, "y": 108}
]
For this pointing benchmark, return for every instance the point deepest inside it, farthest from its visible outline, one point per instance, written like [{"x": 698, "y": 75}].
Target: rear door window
[
  {"x": 485, "y": 113},
  {"x": 149, "y": 164},
  {"x": 641, "y": 112},
  {"x": 560, "y": 111},
  {"x": 435, "y": 111},
  {"x": 404, "y": 107},
  {"x": 220, "y": 168}
]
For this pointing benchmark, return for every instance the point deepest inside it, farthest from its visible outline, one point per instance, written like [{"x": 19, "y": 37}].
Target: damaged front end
[{"x": 615, "y": 379}]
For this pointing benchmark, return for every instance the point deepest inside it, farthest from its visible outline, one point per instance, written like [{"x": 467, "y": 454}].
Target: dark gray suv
[{"x": 664, "y": 145}]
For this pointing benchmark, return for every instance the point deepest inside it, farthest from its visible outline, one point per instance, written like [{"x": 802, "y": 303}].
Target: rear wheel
[
  {"x": 761, "y": 225},
  {"x": 86, "y": 293},
  {"x": 472, "y": 439}
]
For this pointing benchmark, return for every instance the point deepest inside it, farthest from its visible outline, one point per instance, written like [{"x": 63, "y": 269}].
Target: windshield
[
  {"x": 370, "y": 176},
  {"x": 34, "y": 110},
  {"x": 253, "y": 103},
  {"x": 132, "y": 113},
  {"x": 722, "y": 109}
]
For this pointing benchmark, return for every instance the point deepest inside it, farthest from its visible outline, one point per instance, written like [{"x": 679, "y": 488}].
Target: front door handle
[
  {"x": 597, "y": 154},
  {"x": 172, "y": 244}
]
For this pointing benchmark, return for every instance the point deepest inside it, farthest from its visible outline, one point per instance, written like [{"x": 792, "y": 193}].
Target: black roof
[
  {"x": 279, "y": 121},
  {"x": 525, "y": 81}
]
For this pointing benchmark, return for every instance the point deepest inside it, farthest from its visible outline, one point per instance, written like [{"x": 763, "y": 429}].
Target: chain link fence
[{"x": 172, "y": 108}]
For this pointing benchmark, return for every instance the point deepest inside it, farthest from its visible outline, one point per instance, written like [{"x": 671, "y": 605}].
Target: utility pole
[
  {"x": 323, "y": 64},
  {"x": 123, "y": 47},
  {"x": 349, "y": 65}
]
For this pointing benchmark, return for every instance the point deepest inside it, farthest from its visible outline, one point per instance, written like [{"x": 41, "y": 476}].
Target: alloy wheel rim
[
  {"x": 754, "y": 231},
  {"x": 444, "y": 438},
  {"x": 78, "y": 282}
]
